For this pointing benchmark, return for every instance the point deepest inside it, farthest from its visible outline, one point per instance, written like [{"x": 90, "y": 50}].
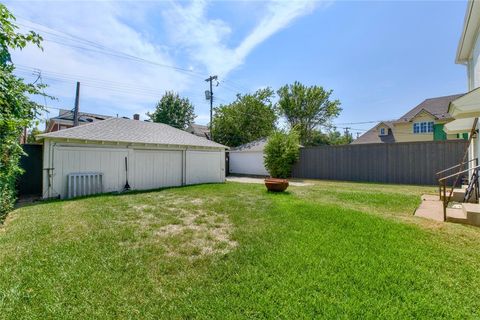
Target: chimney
[{"x": 136, "y": 116}]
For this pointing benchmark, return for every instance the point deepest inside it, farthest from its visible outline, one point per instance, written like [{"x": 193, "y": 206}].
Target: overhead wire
[{"x": 102, "y": 49}]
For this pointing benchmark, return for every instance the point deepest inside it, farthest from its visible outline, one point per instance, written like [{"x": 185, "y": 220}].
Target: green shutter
[{"x": 438, "y": 133}]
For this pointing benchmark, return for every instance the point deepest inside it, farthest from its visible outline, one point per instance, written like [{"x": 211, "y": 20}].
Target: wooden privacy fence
[{"x": 403, "y": 163}]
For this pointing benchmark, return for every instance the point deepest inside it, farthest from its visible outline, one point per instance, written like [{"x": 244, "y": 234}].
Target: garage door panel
[
  {"x": 205, "y": 167},
  {"x": 76, "y": 159},
  {"x": 153, "y": 169}
]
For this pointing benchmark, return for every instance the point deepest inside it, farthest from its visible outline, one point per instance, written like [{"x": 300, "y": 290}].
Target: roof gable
[
  {"x": 254, "y": 146},
  {"x": 437, "y": 107}
]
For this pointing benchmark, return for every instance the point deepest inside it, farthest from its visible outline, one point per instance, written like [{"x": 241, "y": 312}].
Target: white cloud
[
  {"x": 116, "y": 83},
  {"x": 113, "y": 85},
  {"x": 205, "y": 38}
]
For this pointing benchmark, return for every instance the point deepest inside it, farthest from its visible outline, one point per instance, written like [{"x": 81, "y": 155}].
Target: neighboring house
[
  {"x": 248, "y": 159},
  {"x": 199, "y": 130},
  {"x": 425, "y": 122},
  {"x": 156, "y": 155},
  {"x": 64, "y": 120}
]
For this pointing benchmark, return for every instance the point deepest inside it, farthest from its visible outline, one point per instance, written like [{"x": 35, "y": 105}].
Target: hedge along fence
[{"x": 402, "y": 163}]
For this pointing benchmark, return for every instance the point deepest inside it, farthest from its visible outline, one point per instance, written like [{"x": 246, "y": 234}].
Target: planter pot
[{"x": 276, "y": 185}]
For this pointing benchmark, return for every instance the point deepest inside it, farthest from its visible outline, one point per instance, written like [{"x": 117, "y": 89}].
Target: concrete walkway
[
  {"x": 296, "y": 183},
  {"x": 432, "y": 208}
]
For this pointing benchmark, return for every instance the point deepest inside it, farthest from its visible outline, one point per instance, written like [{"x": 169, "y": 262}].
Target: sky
[{"x": 380, "y": 58}]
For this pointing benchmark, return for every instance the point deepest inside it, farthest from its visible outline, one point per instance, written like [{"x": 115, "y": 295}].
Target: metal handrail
[
  {"x": 456, "y": 166},
  {"x": 442, "y": 183},
  {"x": 458, "y": 173}
]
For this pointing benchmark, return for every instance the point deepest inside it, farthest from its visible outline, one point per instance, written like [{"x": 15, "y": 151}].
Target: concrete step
[
  {"x": 456, "y": 215},
  {"x": 472, "y": 213},
  {"x": 458, "y": 195}
]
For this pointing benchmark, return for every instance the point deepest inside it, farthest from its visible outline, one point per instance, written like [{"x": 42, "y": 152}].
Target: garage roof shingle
[{"x": 132, "y": 131}]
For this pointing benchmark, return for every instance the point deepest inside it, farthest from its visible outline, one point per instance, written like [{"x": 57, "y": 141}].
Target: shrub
[
  {"x": 281, "y": 152},
  {"x": 17, "y": 111}
]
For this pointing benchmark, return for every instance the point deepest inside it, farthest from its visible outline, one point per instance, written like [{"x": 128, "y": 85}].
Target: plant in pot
[{"x": 281, "y": 152}]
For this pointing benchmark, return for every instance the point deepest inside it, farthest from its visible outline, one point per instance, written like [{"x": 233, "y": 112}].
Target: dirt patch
[
  {"x": 180, "y": 225},
  {"x": 199, "y": 234}
]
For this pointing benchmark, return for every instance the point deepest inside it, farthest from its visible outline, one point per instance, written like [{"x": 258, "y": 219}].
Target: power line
[
  {"x": 102, "y": 49},
  {"x": 106, "y": 49}
]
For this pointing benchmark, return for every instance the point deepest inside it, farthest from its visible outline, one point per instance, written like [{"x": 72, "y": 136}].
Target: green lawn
[{"x": 332, "y": 250}]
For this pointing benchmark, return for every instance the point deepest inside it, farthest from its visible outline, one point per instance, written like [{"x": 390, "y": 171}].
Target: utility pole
[
  {"x": 210, "y": 96},
  {"x": 77, "y": 105}
]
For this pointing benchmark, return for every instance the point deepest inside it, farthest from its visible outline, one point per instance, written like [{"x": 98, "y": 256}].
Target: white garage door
[
  {"x": 205, "y": 167},
  {"x": 110, "y": 162},
  {"x": 147, "y": 169},
  {"x": 247, "y": 163},
  {"x": 152, "y": 169}
]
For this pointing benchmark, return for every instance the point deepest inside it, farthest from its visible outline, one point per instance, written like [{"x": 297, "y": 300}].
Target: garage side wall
[{"x": 247, "y": 163}]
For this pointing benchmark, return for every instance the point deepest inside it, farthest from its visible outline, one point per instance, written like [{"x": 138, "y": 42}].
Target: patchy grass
[{"x": 328, "y": 250}]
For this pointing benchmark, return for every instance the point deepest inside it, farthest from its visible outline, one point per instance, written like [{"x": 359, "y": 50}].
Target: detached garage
[
  {"x": 106, "y": 156},
  {"x": 248, "y": 159}
]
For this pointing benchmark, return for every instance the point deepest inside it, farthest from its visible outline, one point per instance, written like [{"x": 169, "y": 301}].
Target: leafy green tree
[
  {"x": 32, "y": 134},
  {"x": 17, "y": 111},
  {"x": 174, "y": 111},
  {"x": 306, "y": 108},
  {"x": 336, "y": 138},
  {"x": 332, "y": 137},
  {"x": 281, "y": 152},
  {"x": 248, "y": 118}
]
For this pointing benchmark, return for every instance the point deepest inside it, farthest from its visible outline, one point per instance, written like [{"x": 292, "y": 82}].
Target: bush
[
  {"x": 281, "y": 152},
  {"x": 17, "y": 111}
]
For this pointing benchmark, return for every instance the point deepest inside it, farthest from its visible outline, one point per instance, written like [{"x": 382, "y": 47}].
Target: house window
[
  {"x": 382, "y": 131},
  {"x": 423, "y": 127}
]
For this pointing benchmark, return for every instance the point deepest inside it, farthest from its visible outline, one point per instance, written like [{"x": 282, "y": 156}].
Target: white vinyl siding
[
  {"x": 111, "y": 162},
  {"x": 153, "y": 169},
  {"x": 205, "y": 166},
  {"x": 247, "y": 163},
  {"x": 147, "y": 168}
]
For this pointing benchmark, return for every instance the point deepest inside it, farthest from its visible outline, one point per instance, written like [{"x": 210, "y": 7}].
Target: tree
[
  {"x": 336, "y": 138},
  {"x": 332, "y": 137},
  {"x": 248, "y": 118},
  {"x": 306, "y": 108},
  {"x": 174, "y": 111},
  {"x": 281, "y": 152},
  {"x": 32, "y": 134},
  {"x": 17, "y": 111}
]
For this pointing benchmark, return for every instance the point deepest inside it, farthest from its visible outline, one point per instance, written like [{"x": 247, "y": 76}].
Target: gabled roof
[
  {"x": 199, "y": 130},
  {"x": 131, "y": 131},
  {"x": 372, "y": 136},
  {"x": 437, "y": 107},
  {"x": 388, "y": 124},
  {"x": 254, "y": 146},
  {"x": 471, "y": 26}
]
